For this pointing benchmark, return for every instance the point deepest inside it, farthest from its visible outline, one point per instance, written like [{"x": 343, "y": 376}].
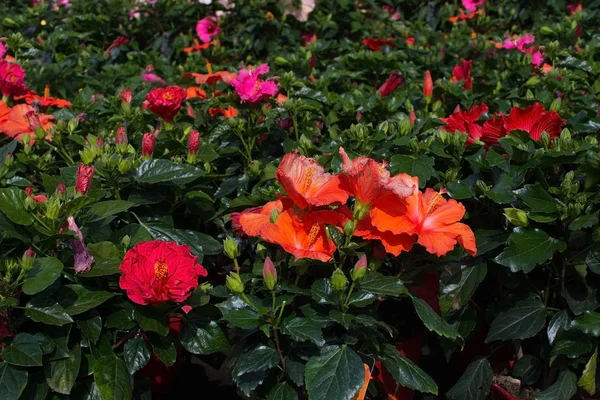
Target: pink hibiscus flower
[
  {"x": 471, "y": 5},
  {"x": 206, "y": 28},
  {"x": 251, "y": 88}
]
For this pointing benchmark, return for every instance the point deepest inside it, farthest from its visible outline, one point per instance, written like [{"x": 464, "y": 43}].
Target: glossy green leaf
[
  {"x": 105, "y": 209},
  {"x": 164, "y": 348},
  {"x": 322, "y": 292},
  {"x": 200, "y": 243},
  {"x": 458, "y": 284},
  {"x": 77, "y": 299},
  {"x": 564, "y": 388},
  {"x": 405, "y": 372},
  {"x": 524, "y": 320},
  {"x": 421, "y": 166},
  {"x": 12, "y": 203},
  {"x": 588, "y": 323},
  {"x": 475, "y": 382},
  {"x": 159, "y": 171},
  {"x": 46, "y": 310},
  {"x": 282, "y": 391},
  {"x": 537, "y": 199},
  {"x": 136, "y": 353},
  {"x": 588, "y": 378},
  {"x": 201, "y": 337},
  {"x": 301, "y": 329},
  {"x": 336, "y": 374},
  {"x": 374, "y": 282},
  {"x": 46, "y": 270},
  {"x": 432, "y": 320},
  {"x": 61, "y": 374},
  {"x": 528, "y": 248},
  {"x": 113, "y": 379},
  {"x": 12, "y": 381},
  {"x": 260, "y": 358},
  {"x": 91, "y": 327},
  {"x": 23, "y": 354},
  {"x": 151, "y": 320}
]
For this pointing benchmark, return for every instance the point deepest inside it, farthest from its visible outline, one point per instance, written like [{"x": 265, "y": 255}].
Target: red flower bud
[
  {"x": 99, "y": 141},
  {"x": 392, "y": 82},
  {"x": 165, "y": 102},
  {"x": 61, "y": 189},
  {"x": 83, "y": 181},
  {"x": 29, "y": 253},
  {"x": 121, "y": 137},
  {"x": 148, "y": 142},
  {"x": 412, "y": 117},
  {"x": 269, "y": 274},
  {"x": 360, "y": 268},
  {"x": 427, "y": 85},
  {"x": 194, "y": 142},
  {"x": 126, "y": 96}
]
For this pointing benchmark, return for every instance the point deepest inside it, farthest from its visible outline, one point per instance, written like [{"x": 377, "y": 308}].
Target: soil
[{"x": 513, "y": 387}]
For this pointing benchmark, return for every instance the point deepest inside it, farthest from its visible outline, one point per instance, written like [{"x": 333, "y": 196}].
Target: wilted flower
[
  {"x": 301, "y": 14},
  {"x": 83, "y": 260}
]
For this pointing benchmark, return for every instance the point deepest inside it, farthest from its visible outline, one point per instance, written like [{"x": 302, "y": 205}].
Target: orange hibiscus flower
[
  {"x": 194, "y": 92},
  {"x": 228, "y": 112},
  {"x": 307, "y": 183},
  {"x": 432, "y": 218},
  {"x": 197, "y": 46},
  {"x": 44, "y": 101},
  {"x": 211, "y": 78},
  {"x": 303, "y": 234},
  {"x": 250, "y": 221},
  {"x": 393, "y": 243},
  {"x": 22, "y": 119}
]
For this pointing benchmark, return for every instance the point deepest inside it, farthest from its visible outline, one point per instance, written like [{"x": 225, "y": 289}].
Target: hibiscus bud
[
  {"x": 61, "y": 190},
  {"x": 339, "y": 280},
  {"x": 148, "y": 142},
  {"x": 274, "y": 215},
  {"x": 53, "y": 208},
  {"x": 124, "y": 166},
  {"x": 121, "y": 139},
  {"x": 360, "y": 268},
  {"x": 516, "y": 217},
  {"x": 83, "y": 180},
  {"x": 269, "y": 274},
  {"x": 99, "y": 141},
  {"x": 193, "y": 145},
  {"x": 360, "y": 210},
  {"x": 349, "y": 228},
  {"x": 391, "y": 83},
  {"x": 230, "y": 247},
  {"x": 412, "y": 117},
  {"x": 9, "y": 159},
  {"x": 427, "y": 86},
  {"x": 82, "y": 259},
  {"x": 126, "y": 96},
  {"x": 28, "y": 259},
  {"x": 234, "y": 283}
]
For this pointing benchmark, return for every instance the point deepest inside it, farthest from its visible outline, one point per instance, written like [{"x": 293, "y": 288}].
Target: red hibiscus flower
[
  {"x": 119, "y": 41},
  {"x": 391, "y": 83},
  {"x": 156, "y": 272},
  {"x": 165, "y": 102},
  {"x": 307, "y": 183},
  {"x": 462, "y": 72},
  {"x": 12, "y": 79},
  {"x": 376, "y": 44},
  {"x": 534, "y": 120}
]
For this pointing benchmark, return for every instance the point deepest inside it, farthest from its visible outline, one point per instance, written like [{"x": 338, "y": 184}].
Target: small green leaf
[
  {"x": 588, "y": 323},
  {"x": 537, "y": 198},
  {"x": 458, "y": 284},
  {"x": 301, "y": 329},
  {"x": 560, "y": 321},
  {"x": 584, "y": 221},
  {"x": 245, "y": 318},
  {"x": 77, "y": 299},
  {"x": 91, "y": 327},
  {"x": 46, "y": 310},
  {"x": 374, "y": 282},
  {"x": 105, "y": 209},
  {"x": 421, "y": 166},
  {"x": 113, "y": 378},
  {"x": 151, "y": 320},
  {"x": 200, "y": 243},
  {"x": 12, "y": 381},
  {"x": 528, "y": 369},
  {"x": 432, "y": 320},
  {"x": 336, "y": 374},
  {"x": 61, "y": 374},
  {"x": 260, "y": 358},
  {"x": 201, "y": 337},
  {"x": 282, "y": 391},
  {"x": 164, "y": 348},
  {"x": 405, "y": 372},
  {"x": 160, "y": 170},
  {"x": 524, "y": 320},
  {"x": 23, "y": 354},
  {"x": 12, "y": 203},
  {"x": 563, "y": 389},
  {"x": 322, "y": 292},
  {"x": 46, "y": 270},
  {"x": 528, "y": 248},
  {"x": 136, "y": 354},
  {"x": 588, "y": 379},
  {"x": 475, "y": 382}
]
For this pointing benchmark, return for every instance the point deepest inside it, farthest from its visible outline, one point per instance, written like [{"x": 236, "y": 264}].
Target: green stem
[
  {"x": 273, "y": 306},
  {"x": 237, "y": 265},
  {"x": 349, "y": 294},
  {"x": 247, "y": 300},
  {"x": 280, "y": 315}
]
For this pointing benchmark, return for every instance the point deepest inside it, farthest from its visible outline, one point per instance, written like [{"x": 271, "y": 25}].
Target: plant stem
[
  {"x": 276, "y": 337},
  {"x": 247, "y": 300},
  {"x": 349, "y": 294},
  {"x": 280, "y": 315},
  {"x": 273, "y": 306},
  {"x": 126, "y": 337}
]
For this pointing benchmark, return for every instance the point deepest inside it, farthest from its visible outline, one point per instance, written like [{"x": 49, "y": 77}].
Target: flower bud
[
  {"x": 83, "y": 180},
  {"x": 234, "y": 283},
  {"x": 274, "y": 215},
  {"x": 121, "y": 139},
  {"x": 28, "y": 259},
  {"x": 339, "y": 282},
  {"x": 360, "y": 268},
  {"x": 516, "y": 217},
  {"x": 125, "y": 166},
  {"x": 9, "y": 159},
  {"x": 412, "y": 117},
  {"x": 126, "y": 96},
  {"x": 349, "y": 228},
  {"x": 53, "y": 208},
  {"x": 360, "y": 210},
  {"x": 230, "y": 247},
  {"x": 61, "y": 190},
  {"x": 427, "y": 86},
  {"x": 148, "y": 142},
  {"x": 269, "y": 274},
  {"x": 82, "y": 259},
  {"x": 99, "y": 141},
  {"x": 193, "y": 145}
]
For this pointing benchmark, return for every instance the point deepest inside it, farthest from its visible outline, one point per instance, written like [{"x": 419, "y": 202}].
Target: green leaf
[
  {"x": 164, "y": 348},
  {"x": 488, "y": 240},
  {"x": 113, "y": 379},
  {"x": 151, "y": 320},
  {"x": 475, "y": 382},
  {"x": 245, "y": 318},
  {"x": 560, "y": 321},
  {"x": 105, "y": 209},
  {"x": 573, "y": 346},
  {"x": 405, "y": 372},
  {"x": 200, "y": 243},
  {"x": 199, "y": 337},
  {"x": 121, "y": 319},
  {"x": 528, "y": 369},
  {"x": 282, "y": 391},
  {"x": 8, "y": 148},
  {"x": 336, "y": 374},
  {"x": 107, "y": 259},
  {"x": 421, "y": 166},
  {"x": 588, "y": 323},
  {"x": 524, "y": 320},
  {"x": 588, "y": 379},
  {"x": 460, "y": 190},
  {"x": 61, "y": 374},
  {"x": 322, "y": 292},
  {"x": 12, "y": 203},
  {"x": 77, "y": 299},
  {"x": 584, "y": 221},
  {"x": 458, "y": 284},
  {"x": 46, "y": 310},
  {"x": 343, "y": 318},
  {"x": 46, "y": 270},
  {"x": 23, "y": 354},
  {"x": 537, "y": 198},
  {"x": 295, "y": 370},
  {"x": 528, "y": 248},
  {"x": 301, "y": 329},
  {"x": 260, "y": 358},
  {"x": 432, "y": 320},
  {"x": 91, "y": 327},
  {"x": 563, "y": 389},
  {"x": 160, "y": 170},
  {"x": 12, "y": 381},
  {"x": 136, "y": 354},
  {"x": 374, "y": 282}
]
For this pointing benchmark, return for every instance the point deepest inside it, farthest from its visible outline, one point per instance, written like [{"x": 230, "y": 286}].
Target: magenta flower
[
  {"x": 12, "y": 79},
  {"x": 2, "y": 50},
  {"x": 471, "y": 5},
  {"x": 251, "y": 88},
  {"x": 153, "y": 78},
  {"x": 537, "y": 59},
  {"x": 206, "y": 28},
  {"x": 83, "y": 260},
  {"x": 525, "y": 41}
]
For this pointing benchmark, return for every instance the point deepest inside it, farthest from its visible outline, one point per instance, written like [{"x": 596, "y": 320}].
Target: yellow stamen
[
  {"x": 209, "y": 67},
  {"x": 436, "y": 199},
  {"x": 160, "y": 269},
  {"x": 307, "y": 179},
  {"x": 47, "y": 91},
  {"x": 312, "y": 235}
]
